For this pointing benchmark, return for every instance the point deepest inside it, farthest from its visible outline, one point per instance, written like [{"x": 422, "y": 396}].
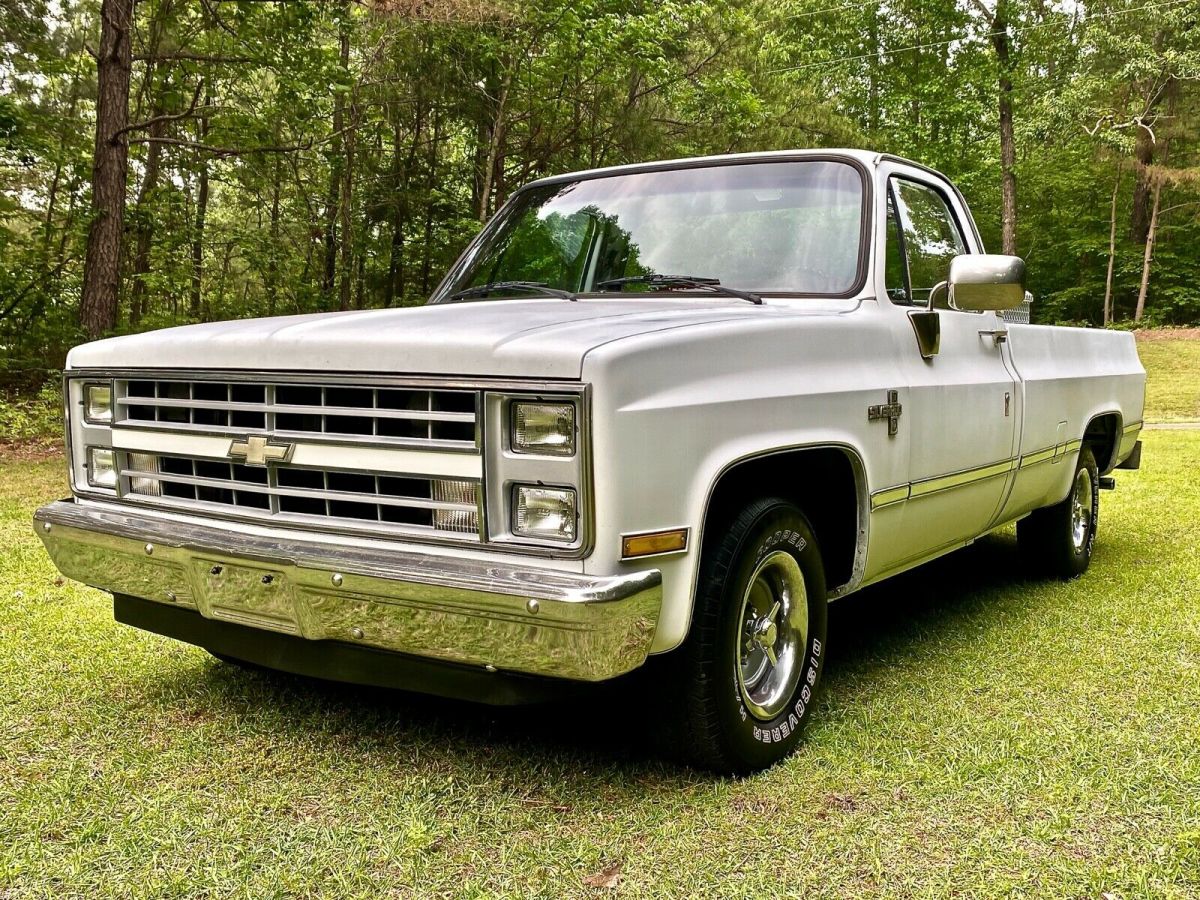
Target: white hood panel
[{"x": 535, "y": 338}]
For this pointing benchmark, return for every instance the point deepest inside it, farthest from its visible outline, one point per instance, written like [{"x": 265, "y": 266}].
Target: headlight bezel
[{"x": 506, "y": 467}]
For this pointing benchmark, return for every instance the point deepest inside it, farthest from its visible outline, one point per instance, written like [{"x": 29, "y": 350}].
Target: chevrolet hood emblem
[{"x": 258, "y": 450}]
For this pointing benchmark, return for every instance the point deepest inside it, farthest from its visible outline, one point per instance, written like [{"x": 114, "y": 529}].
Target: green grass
[
  {"x": 980, "y": 735},
  {"x": 1173, "y": 379}
]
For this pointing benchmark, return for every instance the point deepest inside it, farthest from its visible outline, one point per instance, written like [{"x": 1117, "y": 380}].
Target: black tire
[
  {"x": 721, "y": 729},
  {"x": 1057, "y": 541}
]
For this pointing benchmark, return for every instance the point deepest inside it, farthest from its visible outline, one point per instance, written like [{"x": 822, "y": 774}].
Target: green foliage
[
  {"x": 30, "y": 418},
  {"x": 447, "y": 107}
]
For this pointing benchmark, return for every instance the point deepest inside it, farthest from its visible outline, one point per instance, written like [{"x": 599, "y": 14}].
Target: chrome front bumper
[{"x": 511, "y": 618}]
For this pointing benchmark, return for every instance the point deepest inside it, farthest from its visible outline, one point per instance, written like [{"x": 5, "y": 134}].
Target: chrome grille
[
  {"x": 386, "y": 415},
  {"x": 438, "y": 505}
]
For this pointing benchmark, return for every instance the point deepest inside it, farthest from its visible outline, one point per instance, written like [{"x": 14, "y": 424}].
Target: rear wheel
[
  {"x": 749, "y": 669},
  {"x": 1057, "y": 541}
]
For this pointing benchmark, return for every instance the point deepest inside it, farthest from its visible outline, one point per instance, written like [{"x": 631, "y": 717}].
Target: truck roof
[{"x": 865, "y": 158}]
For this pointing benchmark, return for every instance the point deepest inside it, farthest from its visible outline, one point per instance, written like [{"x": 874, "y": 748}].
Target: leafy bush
[{"x": 27, "y": 418}]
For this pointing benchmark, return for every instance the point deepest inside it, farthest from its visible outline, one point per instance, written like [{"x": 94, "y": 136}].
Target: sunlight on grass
[
  {"x": 1173, "y": 379},
  {"x": 996, "y": 737}
]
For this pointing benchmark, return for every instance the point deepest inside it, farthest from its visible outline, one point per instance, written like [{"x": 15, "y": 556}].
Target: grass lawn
[
  {"x": 980, "y": 735},
  {"x": 1173, "y": 365}
]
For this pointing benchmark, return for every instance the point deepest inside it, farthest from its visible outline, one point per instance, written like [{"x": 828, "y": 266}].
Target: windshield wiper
[
  {"x": 532, "y": 287},
  {"x": 654, "y": 279}
]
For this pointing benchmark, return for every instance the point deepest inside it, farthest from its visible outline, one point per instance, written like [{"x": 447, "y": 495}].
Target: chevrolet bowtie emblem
[{"x": 258, "y": 451}]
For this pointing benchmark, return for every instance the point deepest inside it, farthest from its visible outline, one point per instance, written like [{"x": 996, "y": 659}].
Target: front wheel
[
  {"x": 1057, "y": 541},
  {"x": 749, "y": 670}
]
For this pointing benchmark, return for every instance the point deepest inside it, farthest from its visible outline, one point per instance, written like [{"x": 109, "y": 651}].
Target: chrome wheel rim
[
  {"x": 772, "y": 635},
  {"x": 1082, "y": 502}
]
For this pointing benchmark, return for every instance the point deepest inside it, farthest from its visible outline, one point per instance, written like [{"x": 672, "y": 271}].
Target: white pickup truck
[{"x": 665, "y": 410}]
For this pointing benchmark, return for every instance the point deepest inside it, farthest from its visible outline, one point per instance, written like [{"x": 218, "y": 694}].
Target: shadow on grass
[{"x": 605, "y": 728}]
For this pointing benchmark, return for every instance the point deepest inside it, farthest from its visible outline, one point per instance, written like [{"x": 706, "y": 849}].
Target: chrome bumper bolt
[
  {"x": 336, "y": 579},
  {"x": 46, "y": 526},
  {"x": 532, "y": 606},
  {"x": 149, "y": 549},
  {"x": 357, "y": 633}
]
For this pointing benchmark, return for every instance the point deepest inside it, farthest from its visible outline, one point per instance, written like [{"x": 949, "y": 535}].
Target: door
[{"x": 960, "y": 405}]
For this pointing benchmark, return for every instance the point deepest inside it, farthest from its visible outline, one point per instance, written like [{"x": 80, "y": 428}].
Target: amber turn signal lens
[{"x": 653, "y": 542}]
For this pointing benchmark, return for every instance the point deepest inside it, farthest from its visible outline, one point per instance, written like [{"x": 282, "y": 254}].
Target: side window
[
  {"x": 930, "y": 238},
  {"x": 895, "y": 276}
]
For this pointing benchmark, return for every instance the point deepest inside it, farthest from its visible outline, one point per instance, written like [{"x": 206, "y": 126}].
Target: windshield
[{"x": 781, "y": 227}]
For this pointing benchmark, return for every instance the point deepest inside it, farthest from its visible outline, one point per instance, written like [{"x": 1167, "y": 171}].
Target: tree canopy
[{"x": 165, "y": 161}]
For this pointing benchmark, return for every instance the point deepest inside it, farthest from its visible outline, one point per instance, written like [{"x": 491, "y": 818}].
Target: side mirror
[{"x": 985, "y": 281}]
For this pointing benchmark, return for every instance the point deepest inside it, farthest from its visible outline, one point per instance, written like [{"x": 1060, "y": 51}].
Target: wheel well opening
[
  {"x": 1102, "y": 436},
  {"x": 821, "y": 481}
]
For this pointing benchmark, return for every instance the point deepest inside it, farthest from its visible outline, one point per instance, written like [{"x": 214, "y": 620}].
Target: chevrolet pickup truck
[{"x": 656, "y": 417}]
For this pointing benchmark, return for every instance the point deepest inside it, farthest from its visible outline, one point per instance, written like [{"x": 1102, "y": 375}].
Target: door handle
[{"x": 998, "y": 335}]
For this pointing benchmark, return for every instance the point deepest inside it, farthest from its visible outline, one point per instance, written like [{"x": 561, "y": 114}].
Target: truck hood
[{"x": 535, "y": 338}]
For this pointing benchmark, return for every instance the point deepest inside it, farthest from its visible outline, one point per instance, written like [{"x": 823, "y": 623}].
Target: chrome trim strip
[
  {"x": 476, "y": 612},
  {"x": 888, "y": 496},
  {"x": 350, "y": 379},
  {"x": 938, "y": 483},
  {"x": 1038, "y": 456},
  {"x": 1136, "y": 426},
  {"x": 962, "y": 479},
  {"x": 899, "y": 493},
  {"x": 311, "y": 454}
]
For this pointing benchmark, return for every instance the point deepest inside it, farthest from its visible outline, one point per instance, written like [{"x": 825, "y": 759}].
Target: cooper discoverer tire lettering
[{"x": 749, "y": 671}]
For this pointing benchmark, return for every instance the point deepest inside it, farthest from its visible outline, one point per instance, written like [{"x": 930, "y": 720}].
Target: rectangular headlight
[
  {"x": 540, "y": 512},
  {"x": 97, "y": 403},
  {"x": 546, "y": 429},
  {"x": 102, "y": 468}
]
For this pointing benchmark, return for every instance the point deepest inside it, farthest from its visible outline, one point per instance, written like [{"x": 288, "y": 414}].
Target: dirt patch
[
  {"x": 33, "y": 450},
  {"x": 1167, "y": 334}
]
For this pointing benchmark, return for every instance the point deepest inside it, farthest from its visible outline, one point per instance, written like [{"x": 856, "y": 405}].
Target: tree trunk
[
  {"x": 1148, "y": 255},
  {"x": 496, "y": 138},
  {"x": 345, "y": 211},
  {"x": 272, "y": 273},
  {"x": 195, "y": 301},
  {"x": 1008, "y": 149},
  {"x": 102, "y": 265},
  {"x": 1139, "y": 215},
  {"x": 432, "y": 175},
  {"x": 1112, "y": 249},
  {"x": 394, "y": 287},
  {"x": 873, "y": 72},
  {"x": 143, "y": 224},
  {"x": 332, "y": 204}
]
